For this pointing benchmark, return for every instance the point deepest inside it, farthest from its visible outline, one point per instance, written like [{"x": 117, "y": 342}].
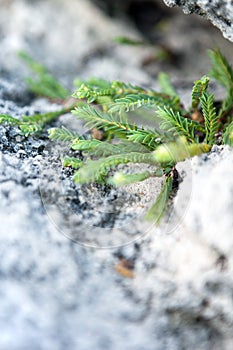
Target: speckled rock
[{"x": 79, "y": 269}]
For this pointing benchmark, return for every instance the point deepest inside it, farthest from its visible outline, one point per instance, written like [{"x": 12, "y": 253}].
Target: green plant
[
  {"x": 44, "y": 84},
  {"x": 177, "y": 133}
]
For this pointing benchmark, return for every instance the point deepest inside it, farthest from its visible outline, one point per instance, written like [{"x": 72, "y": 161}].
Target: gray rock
[
  {"x": 218, "y": 165},
  {"x": 219, "y": 12},
  {"x": 59, "y": 287},
  {"x": 54, "y": 292}
]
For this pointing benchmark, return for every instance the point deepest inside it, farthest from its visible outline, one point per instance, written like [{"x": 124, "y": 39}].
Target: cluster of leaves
[
  {"x": 44, "y": 84},
  {"x": 178, "y": 133},
  {"x": 29, "y": 125}
]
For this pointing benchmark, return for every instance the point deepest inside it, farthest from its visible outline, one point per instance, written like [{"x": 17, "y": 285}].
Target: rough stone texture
[
  {"x": 55, "y": 292},
  {"x": 219, "y": 12},
  {"x": 58, "y": 289}
]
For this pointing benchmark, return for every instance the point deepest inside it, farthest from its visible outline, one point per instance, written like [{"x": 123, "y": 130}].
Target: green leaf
[
  {"x": 221, "y": 69},
  {"x": 228, "y": 135},
  {"x": 104, "y": 149},
  {"x": 117, "y": 126},
  {"x": 30, "y": 129},
  {"x": 85, "y": 145},
  {"x": 128, "y": 41},
  {"x": 96, "y": 119},
  {"x": 176, "y": 124},
  {"x": 147, "y": 137},
  {"x": 36, "y": 122},
  {"x": 93, "y": 89},
  {"x": 45, "y": 84},
  {"x": 157, "y": 210},
  {"x": 132, "y": 102},
  {"x": 210, "y": 116},
  {"x": 178, "y": 151},
  {"x": 7, "y": 119},
  {"x": 63, "y": 134},
  {"x": 32, "y": 124},
  {"x": 200, "y": 86},
  {"x": 166, "y": 85},
  {"x": 44, "y": 118},
  {"x": 223, "y": 73},
  {"x": 96, "y": 171},
  {"x": 72, "y": 162},
  {"x": 121, "y": 179}
]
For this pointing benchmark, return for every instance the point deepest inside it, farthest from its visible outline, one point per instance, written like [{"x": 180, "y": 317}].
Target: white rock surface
[
  {"x": 56, "y": 294},
  {"x": 212, "y": 196}
]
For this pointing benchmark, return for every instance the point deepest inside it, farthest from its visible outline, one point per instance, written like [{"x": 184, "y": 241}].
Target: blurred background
[{"x": 76, "y": 38}]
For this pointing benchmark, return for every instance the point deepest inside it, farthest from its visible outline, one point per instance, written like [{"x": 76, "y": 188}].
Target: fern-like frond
[
  {"x": 96, "y": 119},
  {"x": 223, "y": 73},
  {"x": 91, "y": 94},
  {"x": 85, "y": 145},
  {"x": 200, "y": 86},
  {"x": 228, "y": 135},
  {"x": 36, "y": 122},
  {"x": 173, "y": 152},
  {"x": 7, "y": 119},
  {"x": 32, "y": 124},
  {"x": 135, "y": 101},
  {"x": 227, "y": 104},
  {"x": 30, "y": 129},
  {"x": 35, "y": 66},
  {"x": 45, "y": 84},
  {"x": 221, "y": 69},
  {"x": 26, "y": 128},
  {"x": 210, "y": 117},
  {"x": 93, "y": 83},
  {"x": 117, "y": 126},
  {"x": 166, "y": 85},
  {"x": 63, "y": 134},
  {"x": 157, "y": 210},
  {"x": 121, "y": 179},
  {"x": 147, "y": 137},
  {"x": 44, "y": 118},
  {"x": 97, "y": 170},
  {"x": 92, "y": 90},
  {"x": 176, "y": 124},
  {"x": 105, "y": 149},
  {"x": 71, "y": 162}
]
